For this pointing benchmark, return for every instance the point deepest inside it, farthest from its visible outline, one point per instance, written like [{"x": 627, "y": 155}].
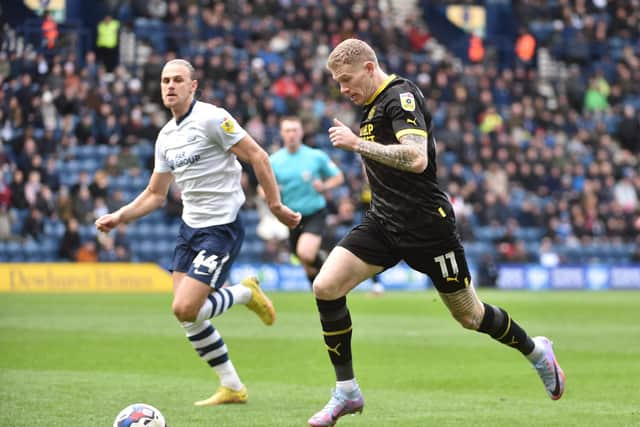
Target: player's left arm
[
  {"x": 248, "y": 150},
  {"x": 409, "y": 155}
]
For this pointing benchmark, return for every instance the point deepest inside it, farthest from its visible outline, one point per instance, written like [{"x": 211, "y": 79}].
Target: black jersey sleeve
[{"x": 404, "y": 109}]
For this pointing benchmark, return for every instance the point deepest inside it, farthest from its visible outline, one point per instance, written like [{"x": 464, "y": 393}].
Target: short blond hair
[
  {"x": 351, "y": 51},
  {"x": 184, "y": 63}
]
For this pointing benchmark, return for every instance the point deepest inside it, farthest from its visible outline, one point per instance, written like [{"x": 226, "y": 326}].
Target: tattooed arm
[{"x": 410, "y": 155}]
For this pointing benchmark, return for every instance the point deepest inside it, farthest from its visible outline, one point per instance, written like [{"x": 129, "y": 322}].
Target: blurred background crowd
[{"x": 535, "y": 114}]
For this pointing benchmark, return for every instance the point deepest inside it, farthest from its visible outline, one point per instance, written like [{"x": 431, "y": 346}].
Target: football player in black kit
[{"x": 410, "y": 219}]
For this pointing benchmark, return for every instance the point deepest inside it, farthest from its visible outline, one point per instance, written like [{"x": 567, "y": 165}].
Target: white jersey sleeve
[
  {"x": 223, "y": 129},
  {"x": 160, "y": 164}
]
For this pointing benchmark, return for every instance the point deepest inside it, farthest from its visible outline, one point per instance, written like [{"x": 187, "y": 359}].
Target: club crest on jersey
[
  {"x": 371, "y": 113},
  {"x": 407, "y": 102},
  {"x": 227, "y": 125}
]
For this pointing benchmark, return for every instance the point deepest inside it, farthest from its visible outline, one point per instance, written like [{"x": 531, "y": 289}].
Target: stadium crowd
[{"x": 541, "y": 161}]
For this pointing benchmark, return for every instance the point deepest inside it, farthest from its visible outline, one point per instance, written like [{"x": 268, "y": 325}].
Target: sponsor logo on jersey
[
  {"x": 366, "y": 132},
  {"x": 228, "y": 125},
  {"x": 407, "y": 102},
  {"x": 183, "y": 159}
]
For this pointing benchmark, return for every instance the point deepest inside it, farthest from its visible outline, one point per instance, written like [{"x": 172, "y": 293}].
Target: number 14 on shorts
[{"x": 203, "y": 264}]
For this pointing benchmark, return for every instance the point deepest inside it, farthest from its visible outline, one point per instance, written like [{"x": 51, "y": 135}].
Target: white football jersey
[{"x": 196, "y": 151}]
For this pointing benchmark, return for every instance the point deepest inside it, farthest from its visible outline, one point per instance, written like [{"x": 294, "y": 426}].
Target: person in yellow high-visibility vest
[{"x": 107, "y": 42}]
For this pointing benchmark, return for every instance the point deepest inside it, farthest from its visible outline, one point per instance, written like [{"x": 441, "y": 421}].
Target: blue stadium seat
[
  {"x": 15, "y": 252},
  {"x": 250, "y": 217},
  {"x": 146, "y": 250},
  {"x": 488, "y": 233},
  {"x": 68, "y": 177},
  {"x": 87, "y": 232}
]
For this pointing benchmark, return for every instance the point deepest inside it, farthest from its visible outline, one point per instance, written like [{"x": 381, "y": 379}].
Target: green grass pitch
[{"x": 77, "y": 360}]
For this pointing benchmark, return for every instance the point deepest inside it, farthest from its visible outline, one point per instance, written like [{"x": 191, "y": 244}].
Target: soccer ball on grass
[{"x": 140, "y": 415}]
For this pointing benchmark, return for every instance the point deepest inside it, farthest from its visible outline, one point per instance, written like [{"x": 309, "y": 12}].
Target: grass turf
[{"x": 76, "y": 360}]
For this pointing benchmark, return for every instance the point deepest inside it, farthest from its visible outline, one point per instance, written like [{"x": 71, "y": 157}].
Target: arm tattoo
[{"x": 400, "y": 156}]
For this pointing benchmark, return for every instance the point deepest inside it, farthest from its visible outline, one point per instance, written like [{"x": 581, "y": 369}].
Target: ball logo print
[{"x": 140, "y": 415}]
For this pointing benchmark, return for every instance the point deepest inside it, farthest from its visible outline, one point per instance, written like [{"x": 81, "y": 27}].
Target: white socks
[
  {"x": 241, "y": 294},
  {"x": 228, "y": 376},
  {"x": 536, "y": 354},
  {"x": 347, "y": 386}
]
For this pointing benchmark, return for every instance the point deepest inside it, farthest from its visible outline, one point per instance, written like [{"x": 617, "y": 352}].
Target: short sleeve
[
  {"x": 160, "y": 162},
  {"x": 405, "y": 113},
  {"x": 223, "y": 129}
]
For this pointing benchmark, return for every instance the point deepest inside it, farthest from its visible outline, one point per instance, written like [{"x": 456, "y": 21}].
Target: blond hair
[
  {"x": 351, "y": 51},
  {"x": 184, "y": 63}
]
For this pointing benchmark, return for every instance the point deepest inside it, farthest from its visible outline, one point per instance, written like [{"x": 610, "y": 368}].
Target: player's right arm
[
  {"x": 150, "y": 199},
  {"x": 409, "y": 155}
]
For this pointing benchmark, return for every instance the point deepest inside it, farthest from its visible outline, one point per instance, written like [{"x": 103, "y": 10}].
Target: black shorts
[
  {"x": 316, "y": 223},
  {"x": 442, "y": 259}
]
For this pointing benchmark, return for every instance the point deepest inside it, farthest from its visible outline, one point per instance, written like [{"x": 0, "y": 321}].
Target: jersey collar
[
  {"x": 382, "y": 87},
  {"x": 180, "y": 119}
]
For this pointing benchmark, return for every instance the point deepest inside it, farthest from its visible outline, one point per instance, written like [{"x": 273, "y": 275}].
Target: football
[{"x": 140, "y": 415}]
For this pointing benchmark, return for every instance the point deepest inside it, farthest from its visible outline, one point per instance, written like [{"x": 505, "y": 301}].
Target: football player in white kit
[{"x": 199, "y": 148}]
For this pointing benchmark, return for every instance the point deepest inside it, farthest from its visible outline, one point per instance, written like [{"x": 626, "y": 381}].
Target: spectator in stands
[
  {"x": 83, "y": 206},
  {"x": 32, "y": 188},
  {"x": 49, "y": 30},
  {"x": 628, "y": 130},
  {"x": 64, "y": 205},
  {"x": 5, "y": 223},
  {"x": 84, "y": 180},
  {"x": 626, "y": 195},
  {"x": 45, "y": 202},
  {"x": 86, "y": 130},
  {"x": 595, "y": 98},
  {"x": 487, "y": 272},
  {"x": 33, "y": 226},
  {"x": 70, "y": 241},
  {"x": 115, "y": 200},
  {"x": 87, "y": 252},
  {"x": 112, "y": 166},
  {"x": 525, "y": 47},
  {"x": 99, "y": 187},
  {"x": 128, "y": 160},
  {"x": 50, "y": 175},
  {"x": 121, "y": 239}
]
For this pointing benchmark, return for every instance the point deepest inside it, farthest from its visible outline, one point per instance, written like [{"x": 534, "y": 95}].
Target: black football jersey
[{"x": 409, "y": 206}]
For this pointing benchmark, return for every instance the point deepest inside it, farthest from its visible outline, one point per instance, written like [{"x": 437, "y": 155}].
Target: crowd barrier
[{"x": 148, "y": 277}]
